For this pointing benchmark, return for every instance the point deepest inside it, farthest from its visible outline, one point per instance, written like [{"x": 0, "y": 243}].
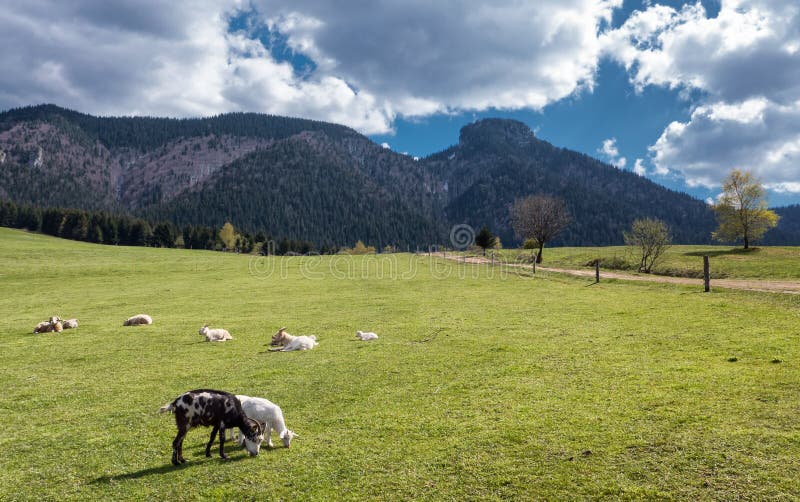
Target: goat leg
[
  {"x": 177, "y": 447},
  {"x": 211, "y": 441},
  {"x": 222, "y": 443}
]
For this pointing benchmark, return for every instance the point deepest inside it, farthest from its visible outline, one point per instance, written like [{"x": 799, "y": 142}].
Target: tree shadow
[{"x": 723, "y": 252}]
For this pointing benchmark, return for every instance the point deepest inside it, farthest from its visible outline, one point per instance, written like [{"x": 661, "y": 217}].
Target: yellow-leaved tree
[
  {"x": 228, "y": 235},
  {"x": 742, "y": 209}
]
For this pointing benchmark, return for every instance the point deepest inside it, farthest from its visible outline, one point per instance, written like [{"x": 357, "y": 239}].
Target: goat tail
[{"x": 167, "y": 407}]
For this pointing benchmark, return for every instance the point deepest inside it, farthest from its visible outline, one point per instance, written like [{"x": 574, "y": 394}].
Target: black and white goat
[{"x": 211, "y": 408}]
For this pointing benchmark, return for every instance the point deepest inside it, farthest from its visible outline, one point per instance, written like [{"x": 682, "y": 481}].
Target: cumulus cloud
[
  {"x": 638, "y": 167},
  {"x": 610, "y": 151},
  {"x": 745, "y": 62},
  {"x": 756, "y": 135},
  {"x": 372, "y": 62}
]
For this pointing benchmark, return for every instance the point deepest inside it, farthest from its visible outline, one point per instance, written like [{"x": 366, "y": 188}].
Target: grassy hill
[{"x": 482, "y": 385}]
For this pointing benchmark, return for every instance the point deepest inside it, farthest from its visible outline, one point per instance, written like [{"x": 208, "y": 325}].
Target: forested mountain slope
[{"x": 324, "y": 182}]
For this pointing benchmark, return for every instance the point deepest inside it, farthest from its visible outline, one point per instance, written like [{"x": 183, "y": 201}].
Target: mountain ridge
[{"x": 323, "y": 182}]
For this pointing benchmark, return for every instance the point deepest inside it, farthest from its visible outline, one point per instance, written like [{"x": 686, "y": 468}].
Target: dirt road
[{"x": 767, "y": 286}]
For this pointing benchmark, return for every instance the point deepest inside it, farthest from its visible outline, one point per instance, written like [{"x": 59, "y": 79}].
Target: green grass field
[
  {"x": 481, "y": 385},
  {"x": 765, "y": 262}
]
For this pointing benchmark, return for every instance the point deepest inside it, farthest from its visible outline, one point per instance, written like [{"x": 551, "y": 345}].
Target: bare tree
[
  {"x": 539, "y": 217},
  {"x": 649, "y": 238}
]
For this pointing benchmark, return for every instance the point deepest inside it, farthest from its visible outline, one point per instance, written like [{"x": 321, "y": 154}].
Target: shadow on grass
[
  {"x": 161, "y": 470},
  {"x": 723, "y": 252}
]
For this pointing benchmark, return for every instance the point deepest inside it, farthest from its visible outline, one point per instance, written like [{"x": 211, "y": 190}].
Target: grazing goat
[
  {"x": 269, "y": 415},
  {"x": 215, "y": 408},
  {"x": 215, "y": 335},
  {"x": 70, "y": 323},
  {"x": 290, "y": 342},
  {"x": 366, "y": 336},
  {"x": 138, "y": 320}
]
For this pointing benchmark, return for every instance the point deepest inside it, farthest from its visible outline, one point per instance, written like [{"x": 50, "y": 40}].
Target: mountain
[
  {"x": 285, "y": 176},
  {"x": 323, "y": 182},
  {"x": 497, "y": 161},
  {"x": 787, "y": 233}
]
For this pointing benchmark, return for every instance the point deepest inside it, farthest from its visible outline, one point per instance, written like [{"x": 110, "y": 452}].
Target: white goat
[
  {"x": 267, "y": 414},
  {"x": 290, "y": 342},
  {"x": 70, "y": 323},
  {"x": 215, "y": 335},
  {"x": 366, "y": 336},
  {"x": 138, "y": 319}
]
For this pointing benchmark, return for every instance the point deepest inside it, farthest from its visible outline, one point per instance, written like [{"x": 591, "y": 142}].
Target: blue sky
[{"x": 680, "y": 92}]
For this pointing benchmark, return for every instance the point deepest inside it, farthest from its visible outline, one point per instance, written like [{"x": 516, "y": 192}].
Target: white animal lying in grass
[
  {"x": 366, "y": 336},
  {"x": 138, "y": 319},
  {"x": 70, "y": 323},
  {"x": 269, "y": 415},
  {"x": 54, "y": 324},
  {"x": 290, "y": 342},
  {"x": 215, "y": 335}
]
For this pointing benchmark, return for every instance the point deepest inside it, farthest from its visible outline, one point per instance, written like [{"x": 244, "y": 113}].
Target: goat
[
  {"x": 366, "y": 336},
  {"x": 43, "y": 327},
  {"x": 211, "y": 408},
  {"x": 70, "y": 323},
  {"x": 138, "y": 320},
  {"x": 215, "y": 335},
  {"x": 267, "y": 414},
  {"x": 290, "y": 342},
  {"x": 53, "y": 324}
]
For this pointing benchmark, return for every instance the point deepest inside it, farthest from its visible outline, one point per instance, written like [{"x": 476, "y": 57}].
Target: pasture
[{"x": 482, "y": 385}]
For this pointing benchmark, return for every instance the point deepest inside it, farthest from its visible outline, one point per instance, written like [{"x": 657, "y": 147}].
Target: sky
[{"x": 679, "y": 92}]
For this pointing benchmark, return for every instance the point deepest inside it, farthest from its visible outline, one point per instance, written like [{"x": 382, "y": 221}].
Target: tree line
[{"x": 101, "y": 227}]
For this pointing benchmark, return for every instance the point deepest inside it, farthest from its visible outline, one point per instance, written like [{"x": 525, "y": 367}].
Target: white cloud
[
  {"x": 373, "y": 61},
  {"x": 386, "y": 145},
  {"x": 611, "y": 152},
  {"x": 744, "y": 64},
  {"x": 788, "y": 187},
  {"x": 718, "y": 138},
  {"x": 638, "y": 167}
]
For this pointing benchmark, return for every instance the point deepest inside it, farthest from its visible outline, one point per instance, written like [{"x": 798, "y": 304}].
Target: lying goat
[
  {"x": 290, "y": 342},
  {"x": 366, "y": 336},
  {"x": 138, "y": 320},
  {"x": 214, "y": 408},
  {"x": 215, "y": 335}
]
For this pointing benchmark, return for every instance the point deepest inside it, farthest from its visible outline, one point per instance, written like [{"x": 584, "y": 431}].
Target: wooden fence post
[
  {"x": 535, "y": 257},
  {"x": 706, "y": 275},
  {"x": 597, "y": 271},
  {"x": 493, "y": 258}
]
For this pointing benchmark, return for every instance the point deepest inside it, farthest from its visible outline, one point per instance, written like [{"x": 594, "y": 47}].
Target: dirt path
[{"x": 766, "y": 286}]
